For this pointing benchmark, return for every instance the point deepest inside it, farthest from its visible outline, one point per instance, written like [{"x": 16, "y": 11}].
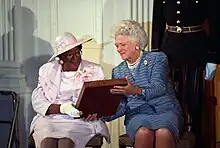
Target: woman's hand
[
  {"x": 129, "y": 89},
  {"x": 69, "y": 109}
]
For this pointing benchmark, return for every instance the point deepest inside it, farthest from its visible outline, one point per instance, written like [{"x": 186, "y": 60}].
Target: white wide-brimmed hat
[{"x": 66, "y": 42}]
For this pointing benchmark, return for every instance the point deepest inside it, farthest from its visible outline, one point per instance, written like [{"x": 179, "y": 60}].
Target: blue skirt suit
[{"x": 157, "y": 107}]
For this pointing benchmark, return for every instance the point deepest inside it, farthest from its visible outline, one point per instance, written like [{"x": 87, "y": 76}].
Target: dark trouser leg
[
  {"x": 194, "y": 99},
  {"x": 188, "y": 84}
]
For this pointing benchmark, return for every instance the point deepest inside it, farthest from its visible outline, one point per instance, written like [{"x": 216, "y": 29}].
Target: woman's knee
[
  {"x": 163, "y": 132},
  {"x": 164, "y": 138},
  {"x": 49, "y": 142},
  {"x": 66, "y": 142},
  {"x": 144, "y": 132}
]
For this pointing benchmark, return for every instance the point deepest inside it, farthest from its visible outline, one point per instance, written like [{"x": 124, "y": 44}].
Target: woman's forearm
[{"x": 53, "y": 109}]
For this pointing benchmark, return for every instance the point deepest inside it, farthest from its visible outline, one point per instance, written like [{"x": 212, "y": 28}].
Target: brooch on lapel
[{"x": 145, "y": 62}]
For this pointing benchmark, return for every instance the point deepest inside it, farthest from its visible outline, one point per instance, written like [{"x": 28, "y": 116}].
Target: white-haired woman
[
  {"x": 152, "y": 113},
  {"x": 58, "y": 123}
]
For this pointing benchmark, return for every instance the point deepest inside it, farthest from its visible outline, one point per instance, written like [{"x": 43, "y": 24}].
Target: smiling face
[
  {"x": 71, "y": 59},
  {"x": 126, "y": 47}
]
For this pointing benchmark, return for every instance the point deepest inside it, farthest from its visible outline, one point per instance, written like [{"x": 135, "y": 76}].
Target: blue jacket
[{"x": 151, "y": 74}]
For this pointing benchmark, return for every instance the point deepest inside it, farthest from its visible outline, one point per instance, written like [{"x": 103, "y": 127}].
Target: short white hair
[{"x": 134, "y": 30}]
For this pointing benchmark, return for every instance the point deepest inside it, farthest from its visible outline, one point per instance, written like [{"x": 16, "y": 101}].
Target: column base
[{"x": 12, "y": 78}]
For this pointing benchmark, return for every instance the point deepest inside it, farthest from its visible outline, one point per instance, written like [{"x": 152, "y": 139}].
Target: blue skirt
[{"x": 170, "y": 119}]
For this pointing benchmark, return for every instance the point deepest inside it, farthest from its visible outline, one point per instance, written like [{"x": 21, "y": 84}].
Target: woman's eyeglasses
[
  {"x": 73, "y": 53},
  {"x": 76, "y": 54}
]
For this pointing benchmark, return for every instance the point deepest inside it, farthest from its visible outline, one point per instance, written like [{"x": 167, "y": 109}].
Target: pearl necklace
[{"x": 136, "y": 62}]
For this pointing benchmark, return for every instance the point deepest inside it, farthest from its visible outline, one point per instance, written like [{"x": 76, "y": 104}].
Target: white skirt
[{"x": 78, "y": 130}]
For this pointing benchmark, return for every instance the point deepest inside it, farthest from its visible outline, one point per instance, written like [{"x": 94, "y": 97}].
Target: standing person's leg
[
  {"x": 177, "y": 75},
  {"x": 194, "y": 101}
]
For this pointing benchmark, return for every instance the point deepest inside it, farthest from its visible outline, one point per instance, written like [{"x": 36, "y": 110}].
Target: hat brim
[{"x": 80, "y": 42}]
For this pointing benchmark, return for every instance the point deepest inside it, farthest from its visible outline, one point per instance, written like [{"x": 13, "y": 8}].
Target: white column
[
  {"x": 54, "y": 19},
  {"x": 134, "y": 9},
  {"x": 11, "y": 74},
  {"x": 7, "y": 34},
  {"x": 142, "y": 11},
  {"x": 98, "y": 20}
]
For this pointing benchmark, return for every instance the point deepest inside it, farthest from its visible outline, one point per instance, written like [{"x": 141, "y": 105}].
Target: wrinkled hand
[
  {"x": 210, "y": 71},
  {"x": 69, "y": 109},
  {"x": 129, "y": 89}
]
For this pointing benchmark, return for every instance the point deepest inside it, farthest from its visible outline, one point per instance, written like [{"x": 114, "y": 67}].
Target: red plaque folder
[{"x": 95, "y": 97}]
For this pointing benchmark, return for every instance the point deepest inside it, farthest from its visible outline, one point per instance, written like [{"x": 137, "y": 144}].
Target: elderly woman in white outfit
[{"x": 57, "y": 123}]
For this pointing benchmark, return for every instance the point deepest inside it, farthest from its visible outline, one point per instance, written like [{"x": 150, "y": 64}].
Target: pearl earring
[
  {"x": 137, "y": 47},
  {"x": 58, "y": 59},
  {"x": 61, "y": 62}
]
